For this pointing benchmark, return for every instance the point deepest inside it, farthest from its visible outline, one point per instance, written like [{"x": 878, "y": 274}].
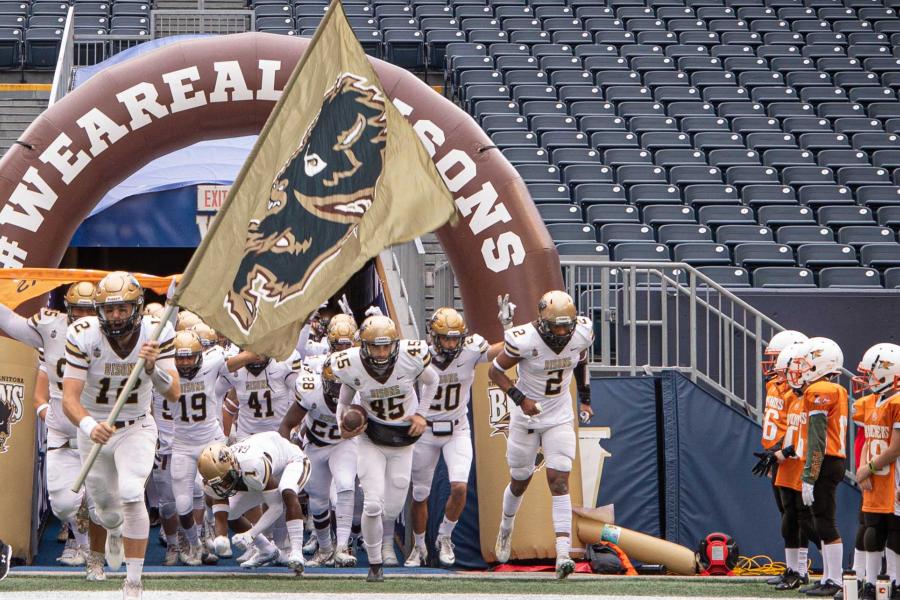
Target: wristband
[
  {"x": 872, "y": 468},
  {"x": 87, "y": 424},
  {"x": 161, "y": 380},
  {"x": 41, "y": 409},
  {"x": 584, "y": 395},
  {"x": 516, "y": 395}
]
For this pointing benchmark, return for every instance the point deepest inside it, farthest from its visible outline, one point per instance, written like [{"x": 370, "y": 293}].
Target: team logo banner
[
  {"x": 336, "y": 176},
  {"x": 12, "y": 394}
]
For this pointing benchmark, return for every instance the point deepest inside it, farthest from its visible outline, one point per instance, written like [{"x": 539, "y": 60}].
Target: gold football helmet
[
  {"x": 219, "y": 469},
  {"x": 119, "y": 300},
  {"x": 154, "y": 309},
  {"x": 556, "y": 318},
  {"x": 447, "y": 330},
  {"x": 186, "y": 320},
  {"x": 379, "y": 339},
  {"x": 188, "y": 353},
  {"x": 208, "y": 336},
  {"x": 342, "y": 331},
  {"x": 330, "y": 384},
  {"x": 79, "y": 300}
]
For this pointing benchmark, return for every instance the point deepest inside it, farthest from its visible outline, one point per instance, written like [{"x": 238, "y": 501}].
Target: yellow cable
[{"x": 758, "y": 565}]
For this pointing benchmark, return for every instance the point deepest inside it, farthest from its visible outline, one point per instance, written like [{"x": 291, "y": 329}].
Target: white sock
[
  {"x": 263, "y": 544},
  {"x": 133, "y": 569},
  {"x": 343, "y": 516},
  {"x": 446, "y": 527},
  {"x": 191, "y": 535},
  {"x": 873, "y": 566},
  {"x": 891, "y": 558},
  {"x": 372, "y": 531},
  {"x": 562, "y": 514},
  {"x": 420, "y": 539},
  {"x": 833, "y": 554},
  {"x": 563, "y": 543},
  {"x": 859, "y": 564},
  {"x": 790, "y": 558},
  {"x": 324, "y": 537},
  {"x": 511, "y": 504},
  {"x": 802, "y": 561},
  {"x": 295, "y": 535},
  {"x": 387, "y": 532}
]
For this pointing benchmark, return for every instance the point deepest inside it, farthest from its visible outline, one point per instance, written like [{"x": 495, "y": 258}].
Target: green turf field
[{"x": 644, "y": 586}]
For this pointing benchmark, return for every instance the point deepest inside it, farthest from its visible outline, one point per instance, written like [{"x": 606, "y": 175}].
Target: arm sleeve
[
  {"x": 428, "y": 382},
  {"x": 272, "y": 499},
  {"x": 17, "y": 327},
  {"x": 582, "y": 382},
  {"x": 815, "y": 446},
  {"x": 301, "y": 341}
]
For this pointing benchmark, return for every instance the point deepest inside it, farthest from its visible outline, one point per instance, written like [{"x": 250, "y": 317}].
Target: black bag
[
  {"x": 604, "y": 560},
  {"x": 389, "y": 435}
]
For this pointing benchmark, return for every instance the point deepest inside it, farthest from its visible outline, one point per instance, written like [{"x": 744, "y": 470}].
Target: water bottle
[
  {"x": 883, "y": 588},
  {"x": 850, "y": 589}
]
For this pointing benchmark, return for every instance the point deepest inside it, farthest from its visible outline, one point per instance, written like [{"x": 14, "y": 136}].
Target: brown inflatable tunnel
[{"x": 225, "y": 86}]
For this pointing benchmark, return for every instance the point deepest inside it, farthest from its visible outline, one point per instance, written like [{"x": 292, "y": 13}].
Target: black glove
[
  {"x": 764, "y": 465},
  {"x": 788, "y": 451}
]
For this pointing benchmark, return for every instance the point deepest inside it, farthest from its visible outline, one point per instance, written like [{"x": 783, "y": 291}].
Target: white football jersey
[
  {"x": 264, "y": 399},
  {"x": 321, "y": 426},
  {"x": 263, "y": 455},
  {"x": 315, "y": 363},
  {"x": 451, "y": 400},
  {"x": 165, "y": 427},
  {"x": 195, "y": 416},
  {"x": 389, "y": 402},
  {"x": 51, "y": 326},
  {"x": 90, "y": 357},
  {"x": 544, "y": 375}
]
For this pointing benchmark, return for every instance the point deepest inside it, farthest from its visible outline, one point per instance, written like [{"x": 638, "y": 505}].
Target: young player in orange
[
  {"x": 796, "y": 519},
  {"x": 879, "y": 413},
  {"x": 826, "y": 405},
  {"x": 774, "y": 416}
]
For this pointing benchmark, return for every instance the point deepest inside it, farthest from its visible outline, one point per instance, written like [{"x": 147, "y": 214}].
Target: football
[{"x": 353, "y": 418}]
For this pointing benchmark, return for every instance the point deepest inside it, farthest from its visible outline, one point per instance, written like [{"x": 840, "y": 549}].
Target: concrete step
[
  {"x": 22, "y": 103},
  {"x": 16, "y": 110},
  {"x": 21, "y": 95},
  {"x": 18, "y": 120}
]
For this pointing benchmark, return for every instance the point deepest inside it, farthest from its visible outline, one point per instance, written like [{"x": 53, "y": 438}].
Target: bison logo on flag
[
  {"x": 11, "y": 409},
  {"x": 316, "y": 200}
]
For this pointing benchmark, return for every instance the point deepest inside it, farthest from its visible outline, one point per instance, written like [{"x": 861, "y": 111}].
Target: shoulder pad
[
  {"x": 476, "y": 343},
  {"x": 45, "y": 316},
  {"x": 516, "y": 340}
]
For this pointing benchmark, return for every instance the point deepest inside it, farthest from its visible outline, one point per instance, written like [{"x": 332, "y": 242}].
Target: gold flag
[
  {"x": 336, "y": 176},
  {"x": 20, "y": 285}
]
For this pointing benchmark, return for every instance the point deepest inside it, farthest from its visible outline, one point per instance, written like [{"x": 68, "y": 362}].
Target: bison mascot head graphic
[
  {"x": 316, "y": 200},
  {"x": 11, "y": 396}
]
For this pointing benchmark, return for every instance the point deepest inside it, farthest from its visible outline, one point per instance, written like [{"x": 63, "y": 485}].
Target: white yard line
[{"x": 153, "y": 595}]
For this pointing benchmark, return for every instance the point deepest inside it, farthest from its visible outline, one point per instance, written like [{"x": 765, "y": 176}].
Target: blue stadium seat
[
  {"x": 571, "y": 232},
  {"x": 405, "y": 48},
  {"x": 783, "y": 277},
  {"x": 880, "y": 256},
  {"x": 641, "y": 252},
  {"x": 582, "y": 249},
  {"x": 817, "y": 256},
  {"x": 662, "y": 214},
  {"x": 10, "y": 47},
  {"x": 42, "y": 47},
  {"x": 615, "y": 233},
  {"x": 859, "y": 235},
  {"x": 726, "y": 276},
  {"x": 849, "y": 277},
  {"x": 702, "y": 254},
  {"x": 892, "y": 278},
  {"x": 601, "y": 214},
  {"x": 763, "y": 254}
]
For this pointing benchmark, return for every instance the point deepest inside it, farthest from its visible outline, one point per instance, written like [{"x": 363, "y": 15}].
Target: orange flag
[{"x": 20, "y": 285}]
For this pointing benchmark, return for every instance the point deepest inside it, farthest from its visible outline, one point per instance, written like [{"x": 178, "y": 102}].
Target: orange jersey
[
  {"x": 879, "y": 416},
  {"x": 791, "y": 470},
  {"x": 829, "y": 399},
  {"x": 773, "y": 417}
]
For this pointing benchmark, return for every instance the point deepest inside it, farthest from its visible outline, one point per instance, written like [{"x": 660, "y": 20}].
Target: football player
[
  {"x": 879, "y": 412},
  {"x": 776, "y": 407},
  {"x": 454, "y": 355},
  {"x": 383, "y": 371},
  {"x": 547, "y": 352},
  {"x": 264, "y": 390},
  {"x": 333, "y": 460},
  {"x": 825, "y": 403},
  {"x": 46, "y": 331},
  {"x": 101, "y": 352},
  {"x": 262, "y": 469}
]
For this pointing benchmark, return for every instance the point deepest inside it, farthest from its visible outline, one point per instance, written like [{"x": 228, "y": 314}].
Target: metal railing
[
  {"x": 93, "y": 49},
  {"x": 408, "y": 261},
  {"x": 65, "y": 64},
  {"x": 164, "y": 23},
  {"x": 444, "y": 286}
]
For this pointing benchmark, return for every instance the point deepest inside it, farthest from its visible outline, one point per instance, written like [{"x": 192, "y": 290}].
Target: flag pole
[{"x": 123, "y": 396}]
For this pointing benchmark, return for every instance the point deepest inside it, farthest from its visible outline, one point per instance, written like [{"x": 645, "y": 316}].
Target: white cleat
[
  {"x": 208, "y": 558},
  {"x": 311, "y": 545},
  {"x": 132, "y": 591},
  {"x": 565, "y": 566},
  {"x": 115, "y": 549},
  {"x": 172, "y": 555},
  {"x": 72, "y": 555},
  {"x": 261, "y": 559},
  {"x": 445, "y": 547},
  {"x": 344, "y": 558},
  {"x": 295, "y": 561},
  {"x": 417, "y": 557},
  {"x": 94, "y": 568},
  {"x": 191, "y": 555},
  {"x": 322, "y": 558},
  {"x": 388, "y": 556},
  {"x": 503, "y": 546},
  {"x": 222, "y": 546}
]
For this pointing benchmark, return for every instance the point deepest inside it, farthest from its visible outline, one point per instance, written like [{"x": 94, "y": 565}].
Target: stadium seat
[
  {"x": 739, "y": 234},
  {"x": 849, "y": 277},
  {"x": 838, "y": 216},
  {"x": 796, "y": 235},
  {"x": 889, "y": 216},
  {"x": 571, "y": 232},
  {"x": 662, "y": 214},
  {"x": 783, "y": 277},
  {"x": 42, "y": 47},
  {"x": 592, "y": 249},
  {"x": 861, "y": 235},
  {"x": 601, "y": 214},
  {"x": 892, "y": 278},
  {"x": 405, "y": 48},
  {"x": 817, "y": 256},
  {"x": 702, "y": 254},
  {"x": 761, "y": 254},
  {"x": 641, "y": 252},
  {"x": 615, "y": 233},
  {"x": 680, "y": 233},
  {"x": 726, "y": 276},
  {"x": 880, "y": 256},
  {"x": 10, "y": 47}
]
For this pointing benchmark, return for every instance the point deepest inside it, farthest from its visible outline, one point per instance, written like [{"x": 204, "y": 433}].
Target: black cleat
[
  {"x": 5, "y": 560},
  {"x": 827, "y": 589},
  {"x": 792, "y": 581},
  {"x": 777, "y": 579},
  {"x": 376, "y": 573},
  {"x": 895, "y": 591},
  {"x": 868, "y": 592},
  {"x": 812, "y": 586}
]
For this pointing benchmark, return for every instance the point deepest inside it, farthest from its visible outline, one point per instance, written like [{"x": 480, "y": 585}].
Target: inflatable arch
[{"x": 129, "y": 114}]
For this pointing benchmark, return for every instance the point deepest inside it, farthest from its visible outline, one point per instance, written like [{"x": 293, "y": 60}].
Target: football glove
[
  {"x": 764, "y": 464},
  {"x": 507, "y": 311},
  {"x": 807, "y": 493}
]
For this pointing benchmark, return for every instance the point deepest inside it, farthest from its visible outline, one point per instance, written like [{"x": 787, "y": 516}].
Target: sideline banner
[
  {"x": 18, "y": 367},
  {"x": 533, "y": 536}
]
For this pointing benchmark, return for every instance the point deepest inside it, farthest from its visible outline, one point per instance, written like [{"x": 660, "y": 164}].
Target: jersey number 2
[{"x": 554, "y": 382}]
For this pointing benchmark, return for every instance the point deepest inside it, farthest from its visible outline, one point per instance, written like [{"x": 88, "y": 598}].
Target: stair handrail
[{"x": 65, "y": 63}]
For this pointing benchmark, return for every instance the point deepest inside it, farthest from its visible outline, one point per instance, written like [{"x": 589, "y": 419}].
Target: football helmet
[
  {"x": 556, "y": 318},
  {"x": 330, "y": 384},
  {"x": 446, "y": 325},
  {"x": 119, "y": 300},
  {"x": 154, "y": 309},
  {"x": 208, "y": 336},
  {"x": 379, "y": 331},
  {"x": 779, "y": 342},
  {"x": 219, "y": 469},
  {"x": 79, "y": 300},
  {"x": 188, "y": 353},
  {"x": 878, "y": 370},
  {"x": 783, "y": 362},
  {"x": 342, "y": 332},
  {"x": 820, "y": 357},
  {"x": 186, "y": 320}
]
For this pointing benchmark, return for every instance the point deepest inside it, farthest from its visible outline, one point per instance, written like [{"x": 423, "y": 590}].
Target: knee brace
[
  {"x": 373, "y": 507},
  {"x": 110, "y": 517},
  {"x": 521, "y": 473},
  {"x": 825, "y": 528},
  {"x": 420, "y": 492},
  {"x": 876, "y": 532},
  {"x": 137, "y": 521},
  {"x": 65, "y": 503}
]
